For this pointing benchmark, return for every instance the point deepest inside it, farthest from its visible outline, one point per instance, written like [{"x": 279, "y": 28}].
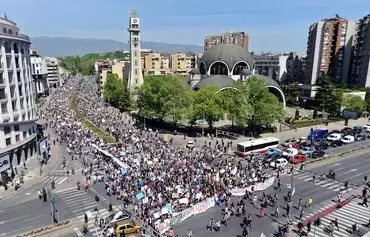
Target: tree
[
  {"x": 367, "y": 98},
  {"x": 164, "y": 97},
  {"x": 265, "y": 106},
  {"x": 207, "y": 104},
  {"x": 292, "y": 94},
  {"x": 353, "y": 103},
  {"x": 327, "y": 97},
  {"x": 116, "y": 93}
]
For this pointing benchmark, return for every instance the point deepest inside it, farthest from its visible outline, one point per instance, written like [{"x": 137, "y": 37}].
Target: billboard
[
  {"x": 351, "y": 114},
  {"x": 4, "y": 163}
]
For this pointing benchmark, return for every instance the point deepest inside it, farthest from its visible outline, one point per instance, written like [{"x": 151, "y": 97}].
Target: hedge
[
  {"x": 105, "y": 136},
  {"x": 307, "y": 123}
]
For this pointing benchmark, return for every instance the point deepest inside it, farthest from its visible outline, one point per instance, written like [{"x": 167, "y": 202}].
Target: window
[
  {"x": 16, "y": 127},
  {"x": 24, "y": 134},
  {"x": 29, "y": 131},
  {"x": 4, "y": 108},
  {"x": 4, "y": 30},
  {"x": 8, "y": 141},
  {"x": 17, "y": 138},
  {"x": 7, "y": 130},
  {"x": 2, "y": 94}
]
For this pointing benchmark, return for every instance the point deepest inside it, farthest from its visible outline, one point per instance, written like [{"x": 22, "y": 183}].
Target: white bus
[{"x": 256, "y": 146}]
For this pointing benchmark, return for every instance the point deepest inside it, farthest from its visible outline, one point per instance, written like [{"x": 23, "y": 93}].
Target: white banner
[
  {"x": 257, "y": 187},
  {"x": 4, "y": 163}
]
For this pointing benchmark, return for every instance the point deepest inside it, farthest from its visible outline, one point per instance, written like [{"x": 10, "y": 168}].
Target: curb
[{"x": 47, "y": 229}]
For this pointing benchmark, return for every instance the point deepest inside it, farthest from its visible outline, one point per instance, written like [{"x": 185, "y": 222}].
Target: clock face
[{"x": 134, "y": 20}]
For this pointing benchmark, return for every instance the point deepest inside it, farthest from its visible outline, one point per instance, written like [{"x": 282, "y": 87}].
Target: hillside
[{"x": 64, "y": 46}]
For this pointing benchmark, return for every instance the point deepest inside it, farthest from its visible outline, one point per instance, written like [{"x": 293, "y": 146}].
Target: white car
[
  {"x": 190, "y": 144},
  {"x": 367, "y": 127},
  {"x": 281, "y": 162},
  {"x": 334, "y": 137},
  {"x": 290, "y": 152},
  {"x": 348, "y": 139}
]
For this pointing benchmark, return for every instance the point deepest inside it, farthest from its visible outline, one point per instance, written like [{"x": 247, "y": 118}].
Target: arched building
[{"x": 223, "y": 64}]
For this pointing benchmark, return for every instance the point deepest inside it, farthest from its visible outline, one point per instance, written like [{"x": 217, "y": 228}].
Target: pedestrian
[
  {"x": 299, "y": 203},
  {"x": 301, "y": 214},
  {"x": 336, "y": 224},
  {"x": 364, "y": 201},
  {"x": 277, "y": 211},
  {"x": 39, "y": 193},
  {"x": 190, "y": 233},
  {"x": 110, "y": 207},
  {"x": 262, "y": 212},
  {"x": 339, "y": 196},
  {"x": 279, "y": 185},
  {"x": 308, "y": 227}
]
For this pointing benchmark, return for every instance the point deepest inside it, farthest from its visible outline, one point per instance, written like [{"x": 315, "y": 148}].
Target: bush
[
  {"x": 99, "y": 132},
  {"x": 307, "y": 123}
]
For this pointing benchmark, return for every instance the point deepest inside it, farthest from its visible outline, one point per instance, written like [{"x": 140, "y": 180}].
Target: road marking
[
  {"x": 61, "y": 181},
  {"x": 28, "y": 194},
  {"x": 34, "y": 218},
  {"x": 3, "y": 222},
  {"x": 78, "y": 232},
  {"x": 349, "y": 171},
  {"x": 334, "y": 165},
  {"x": 67, "y": 189}
]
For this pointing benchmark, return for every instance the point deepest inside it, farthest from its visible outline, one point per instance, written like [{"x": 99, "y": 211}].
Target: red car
[{"x": 298, "y": 159}]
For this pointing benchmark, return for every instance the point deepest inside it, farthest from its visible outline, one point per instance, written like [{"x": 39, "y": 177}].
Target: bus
[{"x": 260, "y": 145}]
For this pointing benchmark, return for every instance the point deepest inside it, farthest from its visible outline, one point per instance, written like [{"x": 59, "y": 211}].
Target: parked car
[
  {"x": 290, "y": 152},
  {"x": 118, "y": 216},
  {"x": 271, "y": 157},
  {"x": 348, "y": 139},
  {"x": 306, "y": 151},
  {"x": 334, "y": 137},
  {"x": 358, "y": 129},
  {"x": 190, "y": 145},
  {"x": 322, "y": 145},
  {"x": 281, "y": 162},
  {"x": 360, "y": 137},
  {"x": 254, "y": 156},
  {"x": 300, "y": 158},
  {"x": 336, "y": 143},
  {"x": 273, "y": 151},
  {"x": 318, "y": 154},
  {"x": 292, "y": 141},
  {"x": 346, "y": 130},
  {"x": 367, "y": 127},
  {"x": 333, "y": 131}
]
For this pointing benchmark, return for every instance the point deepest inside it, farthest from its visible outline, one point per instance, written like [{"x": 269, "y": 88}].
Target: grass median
[{"x": 105, "y": 136}]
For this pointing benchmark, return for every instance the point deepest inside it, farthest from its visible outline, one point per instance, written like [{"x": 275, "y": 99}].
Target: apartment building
[
  {"x": 329, "y": 49},
  {"x": 53, "y": 72},
  {"x": 39, "y": 73},
  {"x": 361, "y": 59},
  {"x": 240, "y": 38},
  {"x": 156, "y": 64},
  {"x": 273, "y": 66},
  {"x": 182, "y": 63}
]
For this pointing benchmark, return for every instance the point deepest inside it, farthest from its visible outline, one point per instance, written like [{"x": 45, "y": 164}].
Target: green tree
[
  {"x": 353, "y": 103},
  {"x": 116, "y": 93},
  {"x": 207, "y": 104},
  {"x": 367, "y": 98},
  {"x": 292, "y": 94},
  {"x": 164, "y": 97},
  {"x": 265, "y": 106},
  {"x": 327, "y": 97}
]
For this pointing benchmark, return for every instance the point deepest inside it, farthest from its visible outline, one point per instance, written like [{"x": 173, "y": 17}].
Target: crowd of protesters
[{"x": 154, "y": 167}]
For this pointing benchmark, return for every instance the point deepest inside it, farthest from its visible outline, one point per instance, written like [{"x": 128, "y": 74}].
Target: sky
[{"x": 273, "y": 25}]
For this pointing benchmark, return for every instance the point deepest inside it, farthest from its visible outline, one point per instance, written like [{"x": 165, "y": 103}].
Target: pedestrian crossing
[
  {"x": 79, "y": 201},
  {"x": 347, "y": 215},
  {"x": 33, "y": 162},
  {"x": 46, "y": 180},
  {"x": 92, "y": 229},
  {"x": 327, "y": 183}
]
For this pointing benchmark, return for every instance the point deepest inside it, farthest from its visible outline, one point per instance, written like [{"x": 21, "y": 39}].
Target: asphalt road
[{"x": 352, "y": 169}]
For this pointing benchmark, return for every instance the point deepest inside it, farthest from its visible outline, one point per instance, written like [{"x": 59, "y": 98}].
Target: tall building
[
  {"x": 273, "y": 66},
  {"x": 182, "y": 63},
  {"x": 329, "y": 49},
  {"x": 156, "y": 64},
  {"x": 39, "y": 73},
  {"x": 240, "y": 38},
  {"x": 135, "y": 77},
  {"x": 53, "y": 71},
  {"x": 361, "y": 61},
  {"x": 17, "y": 99}
]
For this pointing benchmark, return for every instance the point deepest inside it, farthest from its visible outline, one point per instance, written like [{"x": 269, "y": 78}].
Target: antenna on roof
[
  {"x": 5, "y": 16},
  {"x": 337, "y": 16}
]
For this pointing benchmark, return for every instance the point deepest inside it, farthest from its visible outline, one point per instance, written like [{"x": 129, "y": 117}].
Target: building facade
[
  {"x": 135, "y": 77},
  {"x": 361, "y": 60},
  {"x": 39, "y": 73},
  {"x": 53, "y": 71},
  {"x": 17, "y": 98},
  {"x": 274, "y": 66},
  {"x": 240, "y": 38},
  {"x": 329, "y": 49}
]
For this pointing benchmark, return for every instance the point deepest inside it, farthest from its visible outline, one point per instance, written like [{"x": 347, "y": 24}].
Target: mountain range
[{"x": 65, "y": 46}]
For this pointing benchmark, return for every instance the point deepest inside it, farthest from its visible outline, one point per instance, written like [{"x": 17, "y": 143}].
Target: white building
[
  {"x": 274, "y": 66},
  {"x": 135, "y": 78},
  {"x": 53, "y": 71},
  {"x": 17, "y": 98},
  {"x": 39, "y": 73}
]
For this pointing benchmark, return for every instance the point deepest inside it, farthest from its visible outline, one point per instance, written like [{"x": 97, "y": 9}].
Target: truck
[{"x": 318, "y": 133}]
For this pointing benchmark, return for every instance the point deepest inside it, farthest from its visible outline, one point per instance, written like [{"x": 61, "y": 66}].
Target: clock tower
[{"x": 135, "y": 77}]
